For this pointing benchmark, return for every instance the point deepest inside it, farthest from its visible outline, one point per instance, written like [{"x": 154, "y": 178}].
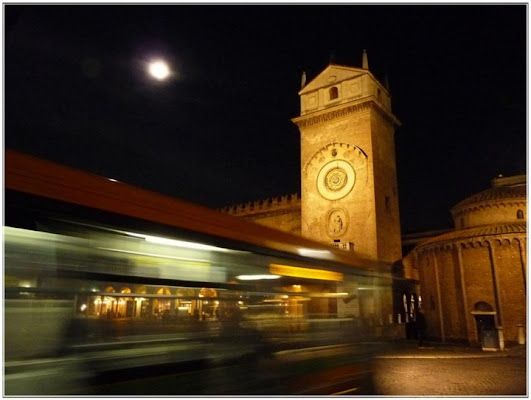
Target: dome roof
[
  {"x": 495, "y": 193},
  {"x": 488, "y": 230}
]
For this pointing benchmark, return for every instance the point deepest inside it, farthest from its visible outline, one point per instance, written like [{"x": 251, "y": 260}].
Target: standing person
[{"x": 420, "y": 326}]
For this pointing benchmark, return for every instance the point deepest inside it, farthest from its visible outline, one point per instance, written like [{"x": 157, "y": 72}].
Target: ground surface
[{"x": 498, "y": 376}]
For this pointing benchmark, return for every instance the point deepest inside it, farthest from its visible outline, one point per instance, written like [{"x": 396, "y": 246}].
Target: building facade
[
  {"x": 348, "y": 171},
  {"x": 473, "y": 279},
  {"x": 470, "y": 281},
  {"x": 349, "y": 195},
  {"x": 283, "y": 212}
]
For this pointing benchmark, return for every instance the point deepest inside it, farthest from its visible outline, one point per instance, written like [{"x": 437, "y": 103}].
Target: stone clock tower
[{"x": 349, "y": 188}]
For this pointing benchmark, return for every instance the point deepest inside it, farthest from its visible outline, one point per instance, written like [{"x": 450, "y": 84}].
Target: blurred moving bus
[{"x": 114, "y": 290}]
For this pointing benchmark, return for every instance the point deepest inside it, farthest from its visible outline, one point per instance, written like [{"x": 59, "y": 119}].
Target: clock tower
[{"x": 349, "y": 195}]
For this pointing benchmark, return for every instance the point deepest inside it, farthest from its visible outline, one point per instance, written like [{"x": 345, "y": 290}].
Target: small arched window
[
  {"x": 519, "y": 214},
  {"x": 333, "y": 93}
]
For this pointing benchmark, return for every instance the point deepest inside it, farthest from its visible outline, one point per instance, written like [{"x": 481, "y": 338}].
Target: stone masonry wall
[
  {"x": 457, "y": 277},
  {"x": 280, "y": 212}
]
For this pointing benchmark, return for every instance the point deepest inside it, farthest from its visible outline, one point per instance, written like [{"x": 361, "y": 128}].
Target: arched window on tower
[
  {"x": 333, "y": 93},
  {"x": 519, "y": 214}
]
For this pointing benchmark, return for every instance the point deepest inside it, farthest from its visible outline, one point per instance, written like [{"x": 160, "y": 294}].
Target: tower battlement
[{"x": 271, "y": 204}]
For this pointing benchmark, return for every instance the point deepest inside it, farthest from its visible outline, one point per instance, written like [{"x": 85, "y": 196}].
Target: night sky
[{"x": 220, "y": 131}]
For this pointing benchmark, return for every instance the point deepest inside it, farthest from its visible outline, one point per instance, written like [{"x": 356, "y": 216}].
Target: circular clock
[{"x": 336, "y": 179}]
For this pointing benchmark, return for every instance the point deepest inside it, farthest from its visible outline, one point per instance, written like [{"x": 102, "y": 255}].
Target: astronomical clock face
[{"x": 336, "y": 179}]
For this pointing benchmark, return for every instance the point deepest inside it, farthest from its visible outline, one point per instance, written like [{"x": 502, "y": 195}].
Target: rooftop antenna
[{"x": 365, "y": 60}]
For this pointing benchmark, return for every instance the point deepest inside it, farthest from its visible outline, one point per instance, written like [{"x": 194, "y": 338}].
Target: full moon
[{"x": 159, "y": 70}]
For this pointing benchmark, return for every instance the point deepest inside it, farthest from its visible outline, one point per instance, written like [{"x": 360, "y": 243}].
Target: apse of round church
[
  {"x": 337, "y": 222},
  {"x": 336, "y": 179}
]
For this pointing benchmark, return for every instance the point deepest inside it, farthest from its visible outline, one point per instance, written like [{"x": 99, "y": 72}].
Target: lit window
[{"x": 334, "y": 93}]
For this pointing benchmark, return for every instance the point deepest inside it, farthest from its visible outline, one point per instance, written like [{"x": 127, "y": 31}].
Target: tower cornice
[{"x": 342, "y": 111}]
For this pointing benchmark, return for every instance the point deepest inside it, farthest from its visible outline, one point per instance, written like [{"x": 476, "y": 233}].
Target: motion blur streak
[
  {"x": 70, "y": 335},
  {"x": 288, "y": 270},
  {"x": 93, "y": 308}
]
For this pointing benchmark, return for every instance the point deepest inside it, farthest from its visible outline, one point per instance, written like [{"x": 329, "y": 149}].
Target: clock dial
[{"x": 336, "y": 179}]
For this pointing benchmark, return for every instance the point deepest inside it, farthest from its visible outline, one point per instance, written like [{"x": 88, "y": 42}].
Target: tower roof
[
  {"x": 502, "y": 192},
  {"x": 333, "y": 74}
]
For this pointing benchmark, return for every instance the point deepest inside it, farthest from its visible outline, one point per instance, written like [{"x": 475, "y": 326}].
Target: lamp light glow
[
  {"x": 256, "y": 277},
  {"x": 178, "y": 243}
]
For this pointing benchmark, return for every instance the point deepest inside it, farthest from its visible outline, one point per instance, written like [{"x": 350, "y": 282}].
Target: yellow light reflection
[
  {"x": 153, "y": 260},
  {"x": 299, "y": 272}
]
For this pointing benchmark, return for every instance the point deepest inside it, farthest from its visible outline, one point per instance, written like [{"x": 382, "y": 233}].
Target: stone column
[
  {"x": 522, "y": 261},
  {"x": 495, "y": 282},
  {"x": 439, "y": 299},
  {"x": 463, "y": 287}
]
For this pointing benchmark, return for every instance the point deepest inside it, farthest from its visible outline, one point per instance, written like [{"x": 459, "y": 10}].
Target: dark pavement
[
  {"x": 410, "y": 349},
  {"x": 437, "y": 369},
  {"x": 400, "y": 369}
]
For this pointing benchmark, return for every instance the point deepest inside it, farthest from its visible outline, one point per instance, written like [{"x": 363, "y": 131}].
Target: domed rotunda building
[{"x": 473, "y": 279}]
